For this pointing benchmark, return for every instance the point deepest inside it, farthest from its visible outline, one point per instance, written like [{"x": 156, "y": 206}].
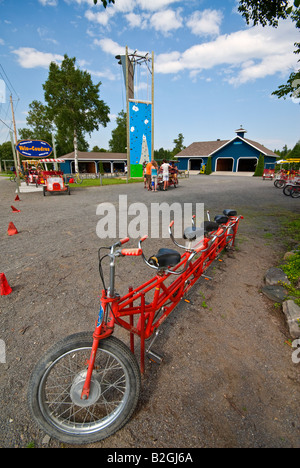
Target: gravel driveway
[{"x": 227, "y": 379}]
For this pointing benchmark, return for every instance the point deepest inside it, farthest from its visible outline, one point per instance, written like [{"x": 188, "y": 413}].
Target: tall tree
[
  {"x": 73, "y": 101},
  {"x": 104, "y": 2},
  {"x": 41, "y": 127},
  {"x": 269, "y": 12},
  {"x": 178, "y": 144}
]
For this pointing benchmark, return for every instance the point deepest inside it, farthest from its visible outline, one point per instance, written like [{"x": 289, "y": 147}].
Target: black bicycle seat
[
  {"x": 210, "y": 226},
  {"x": 192, "y": 232},
  {"x": 229, "y": 212},
  {"x": 165, "y": 258},
  {"x": 221, "y": 219}
]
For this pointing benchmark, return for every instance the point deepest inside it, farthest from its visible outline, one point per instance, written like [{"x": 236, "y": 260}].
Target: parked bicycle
[
  {"x": 87, "y": 386},
  {"x": 76, "y": 178},
  {"x": 292, "y": 189}
]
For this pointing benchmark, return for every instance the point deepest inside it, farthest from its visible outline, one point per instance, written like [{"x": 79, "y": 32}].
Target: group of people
[{"x": 151, "y": 171}]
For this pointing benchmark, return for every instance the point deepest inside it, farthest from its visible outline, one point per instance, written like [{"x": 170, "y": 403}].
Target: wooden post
[
  {"x": 127, "y": 126},
  {"x": 18, "y": 165}
]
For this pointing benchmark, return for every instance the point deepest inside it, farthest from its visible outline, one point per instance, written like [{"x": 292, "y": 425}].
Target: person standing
[
  {"x": 174, "y": 172},
  {"x": 154, "y": 170},
  {"x": 165, "y": 168},
  {"x": 144, "y": 173},
  {"x": 148, "y": 175}
]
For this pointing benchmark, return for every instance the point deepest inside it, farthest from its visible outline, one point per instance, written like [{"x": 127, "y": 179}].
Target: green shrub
[
  {"x": 259, "y": 170},
  {"x": 208, "y": 166}
]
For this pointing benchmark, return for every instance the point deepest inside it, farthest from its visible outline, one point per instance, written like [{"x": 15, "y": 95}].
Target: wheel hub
[{"x": 76, "y": 390}]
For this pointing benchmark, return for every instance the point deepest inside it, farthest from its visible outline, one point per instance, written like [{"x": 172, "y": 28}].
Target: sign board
[{"x": 34, "y": 148}]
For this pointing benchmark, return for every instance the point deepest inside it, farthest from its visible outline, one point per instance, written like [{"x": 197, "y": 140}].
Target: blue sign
[{"x": 34, "y": 148}]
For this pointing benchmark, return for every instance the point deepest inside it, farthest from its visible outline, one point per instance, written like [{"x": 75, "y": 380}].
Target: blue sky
[{"x": 213, "y": 73}]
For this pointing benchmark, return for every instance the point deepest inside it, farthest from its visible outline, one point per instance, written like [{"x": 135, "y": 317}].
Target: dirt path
[{"x": 227, "y": 379}]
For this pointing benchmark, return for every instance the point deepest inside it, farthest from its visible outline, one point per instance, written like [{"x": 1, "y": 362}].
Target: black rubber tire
[
  {"x": 296, "y": 192},
  {"x": 279, "y": 183},
  {"x": 58, "y": 409},
  {"x": 288, "y": 189}
]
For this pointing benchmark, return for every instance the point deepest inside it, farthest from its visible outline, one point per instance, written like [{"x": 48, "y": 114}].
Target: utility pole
[
  {"x": 18, "y": 168},
  {"x": 15, "y": 160},
  {"x": 127, "y": 114}
]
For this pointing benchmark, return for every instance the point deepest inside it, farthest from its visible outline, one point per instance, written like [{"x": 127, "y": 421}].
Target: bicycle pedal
[
  {"x": 155, "y": 357},
  {"x": 188, "y": 301}
]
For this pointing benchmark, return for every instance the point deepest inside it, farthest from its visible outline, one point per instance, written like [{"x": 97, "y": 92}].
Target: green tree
[
  {"x": 295, "y": 153},
  {"x": 269, "y": 12},
  {"x": 208, "y": 169},
  {"x": 96, "y": 149},
  {"x": 161, "y": 154},
  {"x": 178, "y": 144},
  {"x": 6, "y": 154},
  {"x": 41, "y": 128},
  {"x": 282, "y": 153},
  {"x": 118, "y": 142},
  {"x": 104, "y": 2},
  {"x": 259, "y": 170},
  {"x": 73, "y": 102}
]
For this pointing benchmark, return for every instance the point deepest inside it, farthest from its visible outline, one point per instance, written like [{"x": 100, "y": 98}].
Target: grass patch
[
  {"x": 105, "y": 181},
  {"x": 290, "y": 230},
  {"x": 292, "y": 270}
]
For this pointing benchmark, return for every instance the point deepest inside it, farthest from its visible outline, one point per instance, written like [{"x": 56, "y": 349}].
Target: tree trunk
[{"x": 76, "y": 152}]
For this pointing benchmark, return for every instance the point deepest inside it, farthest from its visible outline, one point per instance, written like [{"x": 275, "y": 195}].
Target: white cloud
[
  {"x": 137, "y": 21},
  {"x": 102, "y": 17},
  {"x": 163, "y": 19},
  {"x": 109, "y": 46},
  {"x": 205, "y": 23},
  {"x": 32, "y": 58},
  {"x": 103, "y": 74},
  {"x": 48, "y": 2},
  {"x": 155, "y": 5},
  {"x": 249, "y": 54},
  {"x": 166, "y": 21}
]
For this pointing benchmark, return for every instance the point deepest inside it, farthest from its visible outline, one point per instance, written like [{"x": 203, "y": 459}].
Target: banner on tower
[{"x": 140, "y": 135}]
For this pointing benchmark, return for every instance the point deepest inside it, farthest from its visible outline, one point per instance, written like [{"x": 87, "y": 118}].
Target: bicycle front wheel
[
  {"x": 295, "y": 193},
  {"x": 78, "y": 179},
  {"x": 279, "y": 183},
  {"x": 56, "y": 383},
  {"x": 288, "y": 190}
]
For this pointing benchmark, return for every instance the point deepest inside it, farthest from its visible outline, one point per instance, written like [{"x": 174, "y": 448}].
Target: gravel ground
[{"x": 227, "y": 379}]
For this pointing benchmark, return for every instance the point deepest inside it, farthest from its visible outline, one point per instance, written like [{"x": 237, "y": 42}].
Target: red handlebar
[
  {"x": 123, "y": 241},
  {"x": 135, "y": 252}
]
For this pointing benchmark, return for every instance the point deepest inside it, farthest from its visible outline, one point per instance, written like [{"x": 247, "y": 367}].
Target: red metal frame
[
  {"x": 56, "y": 187},
  {"x": 114, "y": 310}
]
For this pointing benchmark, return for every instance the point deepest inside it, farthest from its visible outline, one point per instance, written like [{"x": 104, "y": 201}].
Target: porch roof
[{"x": 95, "y": 156}]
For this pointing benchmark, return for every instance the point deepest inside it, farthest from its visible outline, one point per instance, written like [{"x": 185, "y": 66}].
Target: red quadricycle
[
  {"x": 172, "y": 182},
  {"x": 268, "y": 174},
  {"x": 87, "y": 386},
  {"x": 54, "y": 183}
]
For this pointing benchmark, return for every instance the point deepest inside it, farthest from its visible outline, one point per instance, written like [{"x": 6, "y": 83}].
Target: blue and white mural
[{"x": 140, "y": 136}]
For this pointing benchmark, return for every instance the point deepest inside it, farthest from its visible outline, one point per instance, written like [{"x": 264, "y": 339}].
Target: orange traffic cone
[
  {"x": 12, "y": 230},
  {"x": 17, "y": 198},
  {"x": 15, "y": 209},
  {"x": 5, "y": 289}
]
